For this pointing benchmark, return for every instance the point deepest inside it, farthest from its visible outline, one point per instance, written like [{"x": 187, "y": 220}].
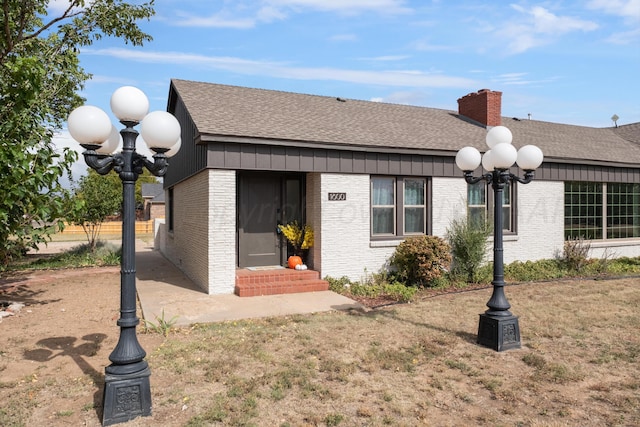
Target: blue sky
[{"x": 573, "y": 62}]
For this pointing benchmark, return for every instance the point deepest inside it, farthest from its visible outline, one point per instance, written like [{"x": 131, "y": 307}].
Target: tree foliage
[
  {"x": 40, "y": 77},
  {"x": 95, "y": 198}
]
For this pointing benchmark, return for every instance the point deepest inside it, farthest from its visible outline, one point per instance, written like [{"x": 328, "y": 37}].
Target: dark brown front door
[{"x": 259, "y": 212}]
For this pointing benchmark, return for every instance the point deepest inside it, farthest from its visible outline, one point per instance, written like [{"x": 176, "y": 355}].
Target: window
[
  {"x": 595, "y": 210},
  {"x": 170, "y": 208},
  {"x": 414, "y": 206},
  {"x": 480, "y": 207},
  {"x": 398, "y": 206},
  {"x": 623, "y": 211},
  {"x": 383, "y": 206}
]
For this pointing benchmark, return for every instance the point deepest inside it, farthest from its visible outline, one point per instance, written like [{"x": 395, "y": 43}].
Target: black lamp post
[
  {"x": 127, "y": 392},
  {"x": 498, "y": 327}
]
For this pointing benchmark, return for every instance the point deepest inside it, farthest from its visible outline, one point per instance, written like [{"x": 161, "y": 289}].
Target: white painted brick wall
[
  {"x": 222, "y": 231},
  {"x": 449, "y": 202},
  {"x": 187, "y": 245},
  {"x": 202, "y": 244},
  {"x": 540, "y": 222}
]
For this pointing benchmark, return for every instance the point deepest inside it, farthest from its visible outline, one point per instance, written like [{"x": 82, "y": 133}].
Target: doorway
[{"x": 265, "y": 200}]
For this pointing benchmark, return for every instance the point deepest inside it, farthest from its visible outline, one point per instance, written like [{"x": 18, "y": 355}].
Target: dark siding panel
[
  {"x": 300, "y": 159},
  {"x": 191, "y": 158},
  {"x": 383, "y": 164},
  {"x": 293, "y": 159},
  {"x": 232, "y": 157},
  {"x": 346, "y": 161},
  {"x": 333, "y": 161},
  {"x": 263, "y": 157},
  {"x": 319, "y": 160},
  {"x": 359, "y": 162},
  {"x": 248, "y": 158},
  {"x": 306, "y": 159},
  {"x": 278, "y": 158}
]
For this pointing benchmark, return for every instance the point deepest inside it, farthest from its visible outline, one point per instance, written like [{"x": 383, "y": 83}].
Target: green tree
[
  {"x": 40, "y": 76},
  {"x": 95, "y": 198}
]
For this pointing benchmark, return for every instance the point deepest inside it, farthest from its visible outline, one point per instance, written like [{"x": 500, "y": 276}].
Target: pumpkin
[{"x": 294, "y": 260}]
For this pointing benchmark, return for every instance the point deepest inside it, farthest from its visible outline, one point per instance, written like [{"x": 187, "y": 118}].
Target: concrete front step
[{"x": 279, "y": 281}]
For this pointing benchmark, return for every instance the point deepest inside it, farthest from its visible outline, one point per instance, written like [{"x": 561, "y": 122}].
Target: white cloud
[
  {"x": 58, "y": 7},
  {"x": 269, "y": 11},
  {"x": 347, "y": 6},
  {"x": 628, "y": 9},
  {"x": 538, "y": 26},
  {"x": 403, "y": 97},
  {"x": 413, "y": 78},
  {"x": 61, "y": 141},
  {"x": 385, "y": 58}
]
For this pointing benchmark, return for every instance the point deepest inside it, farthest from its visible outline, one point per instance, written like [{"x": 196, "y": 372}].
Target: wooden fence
[{"x": 111, "y": 228}]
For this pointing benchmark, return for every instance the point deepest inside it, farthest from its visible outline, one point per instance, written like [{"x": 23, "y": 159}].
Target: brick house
[
  {"x": 153, "y": 201},
  {"x": 366, "y": 175}
]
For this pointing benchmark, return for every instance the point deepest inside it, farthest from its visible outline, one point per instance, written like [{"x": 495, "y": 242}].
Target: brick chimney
[{"x": 484, "y": 106}]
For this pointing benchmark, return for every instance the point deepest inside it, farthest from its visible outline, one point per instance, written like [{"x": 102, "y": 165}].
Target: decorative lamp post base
[
  {"x": 126, "y": 396},
  {"x": 499, "y": 332}
]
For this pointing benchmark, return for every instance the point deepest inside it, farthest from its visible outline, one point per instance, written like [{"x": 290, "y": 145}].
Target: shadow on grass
[
  {"x": 66, "y": 347},
  {"x": 393, "y": 315}
]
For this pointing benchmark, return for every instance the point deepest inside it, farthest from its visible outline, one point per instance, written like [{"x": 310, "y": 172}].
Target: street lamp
[
  {"x": 498, "y": 328},
  {"x": 127, "y": 393}
]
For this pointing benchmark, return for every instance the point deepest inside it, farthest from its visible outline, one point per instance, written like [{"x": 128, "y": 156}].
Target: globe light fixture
[
  {"x": 498, "y": 328},
  {"x": 127, "y": 392}
]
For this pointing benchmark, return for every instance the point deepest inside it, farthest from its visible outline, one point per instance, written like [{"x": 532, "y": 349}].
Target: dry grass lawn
[{"x": 403, "y": 365}]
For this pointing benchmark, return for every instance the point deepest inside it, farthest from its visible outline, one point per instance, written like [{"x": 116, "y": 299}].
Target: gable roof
[
  {"x": 153, "y": 192},
  {"x": 233, "y": 113}
]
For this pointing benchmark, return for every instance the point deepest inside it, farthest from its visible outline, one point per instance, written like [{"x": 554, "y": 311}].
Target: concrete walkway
[{"x": 162, "y": 287}]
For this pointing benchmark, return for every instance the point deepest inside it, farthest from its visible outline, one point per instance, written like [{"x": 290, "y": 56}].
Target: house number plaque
[{"x": 337, "y": 196}]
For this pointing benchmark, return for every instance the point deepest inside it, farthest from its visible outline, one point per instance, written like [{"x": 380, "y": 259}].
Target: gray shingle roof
[
  {"x": 155, "y": 192},
  {"x": 221, "y": 111}
]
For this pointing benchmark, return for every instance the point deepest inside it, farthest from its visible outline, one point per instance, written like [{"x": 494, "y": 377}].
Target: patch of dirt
[{"x": 407, "y": 364}]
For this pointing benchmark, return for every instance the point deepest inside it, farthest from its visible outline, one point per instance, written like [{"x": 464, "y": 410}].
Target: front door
[
  {"x": 259, "y": 213},
  {"x": 264, "y": 201}
]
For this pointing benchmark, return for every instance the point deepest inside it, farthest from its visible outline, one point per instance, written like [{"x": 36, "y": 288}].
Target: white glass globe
[
  {"x": 130, "y": 104},
  {"x": 487, "y": 161},
  {"x": 503, "y": 155},
  {"x": 89, "y": 125},
  {"x": 468, "y": 159},
  {"x": 160, "y": 130},
  {"x": 173, "y": 150},
  {"x": 112, "y": 143},
  {"x": 498, "y": 135},
  {"x": 530, "y": 157}
]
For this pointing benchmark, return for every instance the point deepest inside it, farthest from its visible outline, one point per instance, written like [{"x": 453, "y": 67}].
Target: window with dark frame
[
  {"x": 170, "y": 210},
  {"x": 594, "y": 210},
  {"x": 398, "y": 206},
  {"x": 480, "y": 206}
]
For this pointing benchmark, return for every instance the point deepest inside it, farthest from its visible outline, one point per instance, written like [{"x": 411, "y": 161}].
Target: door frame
[{"x": 281, "y": 210}]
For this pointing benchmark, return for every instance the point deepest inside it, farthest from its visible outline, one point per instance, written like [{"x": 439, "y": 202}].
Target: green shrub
[
  {"x": 373, "y": 286},
  {"x": 534, "y": 270},
  {"x": 420, "y": 260},
  {"x": 468, "y": 240},
  {"x": 338, "y": 286}
]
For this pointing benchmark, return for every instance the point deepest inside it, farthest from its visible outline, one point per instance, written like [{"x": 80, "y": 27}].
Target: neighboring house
[
  {"x": 153, "y": 201},
  {"x": 366, "y": 175}
]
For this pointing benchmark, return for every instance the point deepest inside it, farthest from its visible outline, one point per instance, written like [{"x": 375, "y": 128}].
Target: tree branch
[{"x": 67, "y": 14}]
